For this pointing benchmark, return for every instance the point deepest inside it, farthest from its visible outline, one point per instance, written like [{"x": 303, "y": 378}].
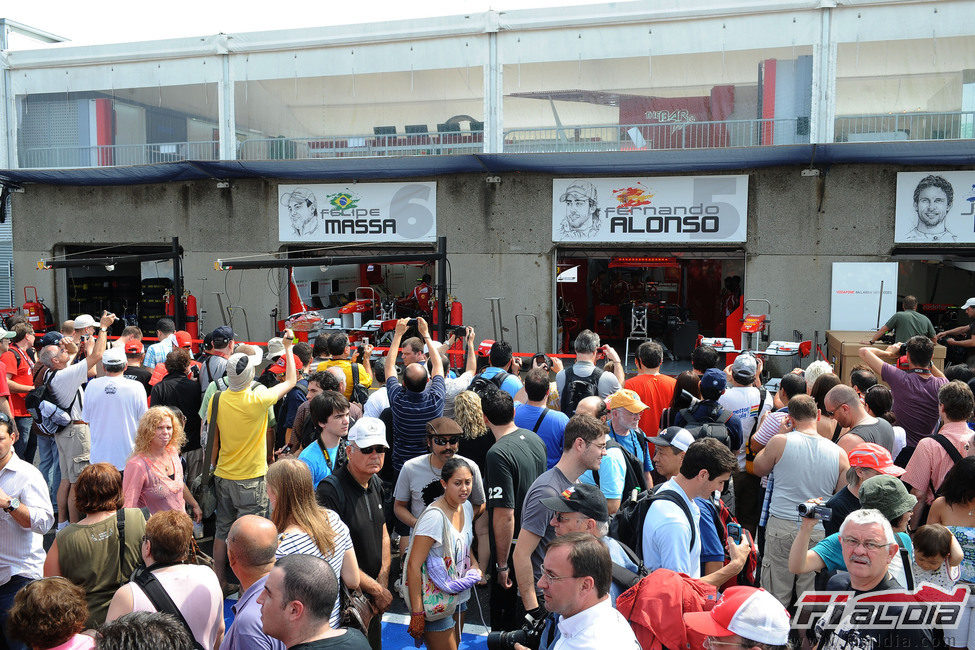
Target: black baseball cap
[{"x": 583, "y": 498}]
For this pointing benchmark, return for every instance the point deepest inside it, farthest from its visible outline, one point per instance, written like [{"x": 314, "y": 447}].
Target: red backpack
[
  {"x": 654, "y": 607},
  {"x": 747, "y": 576}
]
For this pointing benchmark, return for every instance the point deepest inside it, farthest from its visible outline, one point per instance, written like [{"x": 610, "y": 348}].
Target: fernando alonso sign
[
  {"x": 358, "y": 212},
  {"x": 670, "y": 209}
]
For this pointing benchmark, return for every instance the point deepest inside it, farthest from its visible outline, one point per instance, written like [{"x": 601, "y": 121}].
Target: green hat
[{"x": 888, "y": 495}]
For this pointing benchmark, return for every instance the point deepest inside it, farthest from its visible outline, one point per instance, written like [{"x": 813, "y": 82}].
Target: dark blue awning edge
[{"x": 946, "y": 153}]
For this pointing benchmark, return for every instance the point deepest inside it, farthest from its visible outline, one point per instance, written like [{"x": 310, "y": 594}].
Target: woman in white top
[
  {"x": 441, "y": 545},
  {"x": 193, "y": 588},
  {"x": 305, "y": 527}
]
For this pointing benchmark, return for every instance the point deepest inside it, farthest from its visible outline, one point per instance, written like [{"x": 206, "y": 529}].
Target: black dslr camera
[{"x": 530, "y": 635}]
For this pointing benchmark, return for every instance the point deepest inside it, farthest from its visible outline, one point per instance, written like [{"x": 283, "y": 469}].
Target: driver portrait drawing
[{"x": 581, "y": 217}]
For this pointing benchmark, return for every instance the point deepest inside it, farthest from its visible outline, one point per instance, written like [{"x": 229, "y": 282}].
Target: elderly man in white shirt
[
  {"x": 25, "y": 515},
  {"x": 577, "y": 589}
]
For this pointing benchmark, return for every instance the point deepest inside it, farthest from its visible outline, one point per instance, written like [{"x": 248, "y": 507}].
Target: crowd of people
[{"x": 596, "y": 508}]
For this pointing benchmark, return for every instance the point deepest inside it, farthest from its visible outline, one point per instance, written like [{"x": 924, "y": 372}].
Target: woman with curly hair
[
  {"x": 49, "y": 614},
  {"x": 88, "y": 553},
  {"x": 305, "y": 527},
  {"x": 154, "y": 473}
]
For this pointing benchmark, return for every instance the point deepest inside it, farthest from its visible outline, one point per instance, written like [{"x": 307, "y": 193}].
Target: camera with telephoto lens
[
  {"x": 813, "y": 511},
  {"x": 530, "y": 635}
]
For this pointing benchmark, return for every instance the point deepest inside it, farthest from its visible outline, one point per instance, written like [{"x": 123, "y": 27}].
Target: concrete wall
[{"x": 498, "y": 239}]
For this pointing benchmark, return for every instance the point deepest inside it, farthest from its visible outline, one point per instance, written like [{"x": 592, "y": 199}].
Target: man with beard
[
  {"x": 932, "y": 202},
  {"x": 581, "y": 214},
  {"x": 418, "y": 484}
]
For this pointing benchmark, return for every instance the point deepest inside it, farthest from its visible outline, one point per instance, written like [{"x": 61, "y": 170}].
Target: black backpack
[
  {"x": 633, "y": 480},
  {"x": 359, "y": 393},
  {"x": 481, "y": 385},
  {"x": 575, "y": 388},
  {"x": 626, "y": 526},
  {"x": 715, "y": 425}
]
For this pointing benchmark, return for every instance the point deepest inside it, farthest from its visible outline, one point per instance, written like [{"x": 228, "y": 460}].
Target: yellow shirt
[
  {"x": 365, "y": 379},
  {"x": 242, "y": 420}
]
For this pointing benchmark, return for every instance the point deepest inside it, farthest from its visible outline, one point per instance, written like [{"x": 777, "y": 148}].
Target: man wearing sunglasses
[
  {"x": 418, "y": 484},
  {"x": 355, "y": 492}
]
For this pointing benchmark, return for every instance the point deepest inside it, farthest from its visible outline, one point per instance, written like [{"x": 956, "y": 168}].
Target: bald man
[
  {"x": 844, "y": 405},
  {"x": 251, "y": 544},
  {"x": 593, "y": 405}
]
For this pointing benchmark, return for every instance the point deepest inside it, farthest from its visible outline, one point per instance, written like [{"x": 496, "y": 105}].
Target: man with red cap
[
  {"x": 745, "y": 617},
  {"x": 867, "y": 460}
]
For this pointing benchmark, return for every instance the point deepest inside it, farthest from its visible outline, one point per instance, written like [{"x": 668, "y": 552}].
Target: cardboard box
[{"x": 843, "y": 347}]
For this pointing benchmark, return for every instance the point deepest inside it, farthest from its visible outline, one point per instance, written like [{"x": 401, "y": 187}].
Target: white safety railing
[
  {"x": 676, "y": 135},
  {"x": 118, "y": 154},
  {"x": 355, "y": 146},
  {"x": 885, "y": 127}
]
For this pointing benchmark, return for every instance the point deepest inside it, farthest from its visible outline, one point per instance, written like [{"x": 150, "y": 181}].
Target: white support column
[
  {"x": 226, "y": 110},
  {"x": 8, "y": 121},
  {"x": 823, "y": 109},
  {"x": 493, "y": 115}
]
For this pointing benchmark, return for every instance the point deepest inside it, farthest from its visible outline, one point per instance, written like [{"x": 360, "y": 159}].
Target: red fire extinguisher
[
  {"x": 170, "y": 301},
  {"x": 192, "y": 325},
  {"x": 35, "y": 311}
]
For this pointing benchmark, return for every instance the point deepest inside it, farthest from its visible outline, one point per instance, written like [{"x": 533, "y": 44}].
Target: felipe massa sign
[
  {"x": 670, "y": 209},
  {"x": 358, "y": 212}
]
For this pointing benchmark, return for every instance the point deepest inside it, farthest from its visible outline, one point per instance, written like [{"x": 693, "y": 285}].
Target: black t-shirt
[
  {"x": 512, "y": 465},
  {"x": 176, "y": 389},
  {"x": 476, "y": 449},
  {"x": 842, "y": 503},
  {"x": 351, "y": 640},
  {"x": 140, "y": 374},
  {"x": 848, "y": 636},
  {"x": 362, "y": 511}
]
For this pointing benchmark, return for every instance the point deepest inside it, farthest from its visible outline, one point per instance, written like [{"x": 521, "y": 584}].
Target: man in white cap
[
  {"x": 947, "y": 337},
  {"x": 746, "y": 617},
  {"x": 240, "y": 444},
  {"x": 113, "y": 407},
  {"x": 355, "y": 492},
  {"x": 84, "y": 327}
]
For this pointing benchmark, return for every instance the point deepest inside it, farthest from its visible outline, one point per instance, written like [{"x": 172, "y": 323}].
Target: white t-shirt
[
  {"x": 66, "y": 384},
  {"x": 431, "y": 524},
  {"x": 113, "y": 407},
  {"x": 743, "y": 402},
  {"x": 377, "y": 403}
]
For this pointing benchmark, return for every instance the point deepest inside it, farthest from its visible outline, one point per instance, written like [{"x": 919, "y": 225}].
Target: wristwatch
[{"x": 14, "y": 504}]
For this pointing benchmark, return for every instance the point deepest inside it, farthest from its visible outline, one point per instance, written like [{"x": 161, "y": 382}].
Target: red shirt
[
  {"x": 422, "y": 296},
  {"x": 656, "y": 391},
  {"x": 21, "y": 374}
]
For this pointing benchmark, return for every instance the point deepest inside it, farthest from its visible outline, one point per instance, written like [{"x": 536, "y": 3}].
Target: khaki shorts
[
  {"x": 776, "y": 577},
  {"x": 238, "y": 498},
  {"x": 74, "y": 450}
]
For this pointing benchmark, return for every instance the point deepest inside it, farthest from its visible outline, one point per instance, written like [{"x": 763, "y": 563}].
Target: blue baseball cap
[{"x": 713, "y": 381}]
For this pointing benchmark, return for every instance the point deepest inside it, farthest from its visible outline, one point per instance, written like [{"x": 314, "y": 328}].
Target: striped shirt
[
  {"x": 303, "y": 543},
  {"x": 411, "y": 412},
  {"x": 22, "y": 549}
]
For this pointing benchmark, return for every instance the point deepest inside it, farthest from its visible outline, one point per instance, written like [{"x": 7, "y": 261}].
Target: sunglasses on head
[{"x": 443, "y": 441}]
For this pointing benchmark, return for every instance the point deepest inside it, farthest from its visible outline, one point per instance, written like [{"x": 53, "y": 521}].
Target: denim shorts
[{"x": 445, "y": 624}]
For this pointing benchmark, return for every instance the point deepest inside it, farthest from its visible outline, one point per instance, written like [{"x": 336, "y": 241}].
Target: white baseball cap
[
  {"x": 367, "y": 432},
  {"x": 969, "y": 303},
  {"x": 83, "y": 321},
  {"x": 749, "y": 612}
]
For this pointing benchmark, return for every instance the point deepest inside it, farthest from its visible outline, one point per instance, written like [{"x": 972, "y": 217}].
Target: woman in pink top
[
  {"x": 153, "y": 475},
  {"x": 49, "y": 614}
]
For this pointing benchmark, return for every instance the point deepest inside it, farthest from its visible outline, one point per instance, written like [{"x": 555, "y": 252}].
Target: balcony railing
[
  {"x": 679, "y": 135},
  {"x": 357, "y": 146},
  {"x": 959, "y": 125},
  {"x": 119, "y": 154},
  {"x": 607, "y": 137}
]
